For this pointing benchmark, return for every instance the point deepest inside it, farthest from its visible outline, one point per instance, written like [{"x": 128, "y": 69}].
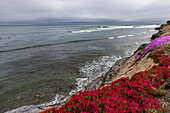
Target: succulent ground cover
[
  {"x": 159, "y": 42},
  {"x": 127, "y": 95}
]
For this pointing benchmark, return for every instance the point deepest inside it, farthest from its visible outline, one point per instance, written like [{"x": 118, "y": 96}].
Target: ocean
[{"x": 39, "y": 63}]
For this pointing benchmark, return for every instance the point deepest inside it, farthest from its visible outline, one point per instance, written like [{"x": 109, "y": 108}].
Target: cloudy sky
[{"x": 63, "y": 10}]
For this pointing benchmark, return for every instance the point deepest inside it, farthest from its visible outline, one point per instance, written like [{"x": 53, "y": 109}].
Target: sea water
[{"x": 38, "y": 63}]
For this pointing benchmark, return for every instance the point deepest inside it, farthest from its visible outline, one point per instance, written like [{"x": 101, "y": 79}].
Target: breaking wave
[
  {"x": 111, "y": 38},
  {"x": 98, "y": 67},
  {"x": 102, "y": 28},
  {"x": 123, "y": 36},
  {"x": 147, "y": 26}
]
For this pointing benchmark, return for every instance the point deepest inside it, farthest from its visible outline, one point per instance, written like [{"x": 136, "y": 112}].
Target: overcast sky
[{"x": 124, "y": 10}]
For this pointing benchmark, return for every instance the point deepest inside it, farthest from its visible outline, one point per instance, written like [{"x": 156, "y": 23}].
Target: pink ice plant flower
[{"x": 159, "y": 42}]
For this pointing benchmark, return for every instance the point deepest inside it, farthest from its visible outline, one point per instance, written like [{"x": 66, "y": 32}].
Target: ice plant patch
[{"x": 159, "y": 42}]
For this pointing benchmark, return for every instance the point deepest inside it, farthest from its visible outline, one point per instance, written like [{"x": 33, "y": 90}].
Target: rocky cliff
[{"x": 163, "y": 30}]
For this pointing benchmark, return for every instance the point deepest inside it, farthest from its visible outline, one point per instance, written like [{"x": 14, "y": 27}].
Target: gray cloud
[{"x": 124, "y": 10}]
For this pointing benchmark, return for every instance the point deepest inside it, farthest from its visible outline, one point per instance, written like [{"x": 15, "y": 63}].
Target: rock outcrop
[
  {"x": 162, "y": 30},
  {"x": 168, "y": 22},
  {"x": 27, "y": 109}
]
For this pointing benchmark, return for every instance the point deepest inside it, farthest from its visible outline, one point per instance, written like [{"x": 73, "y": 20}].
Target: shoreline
[{"x": 121, "y": 68}]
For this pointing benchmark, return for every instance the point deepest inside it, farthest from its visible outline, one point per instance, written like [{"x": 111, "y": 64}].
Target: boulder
[
  {"x": 168, "y": 22},
  {"x": 161, "y": 27},
  {"x": 141, "y": 47},
  {"x": 156, "y": 35},
  {"x": 27, "y": 109}
]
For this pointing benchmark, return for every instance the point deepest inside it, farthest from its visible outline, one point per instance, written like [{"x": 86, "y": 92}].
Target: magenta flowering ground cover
[{"x": 159, "y": 42}]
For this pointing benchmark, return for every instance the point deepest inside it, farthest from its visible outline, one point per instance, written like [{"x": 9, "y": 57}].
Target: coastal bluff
[{"x": 125, "y": 67}]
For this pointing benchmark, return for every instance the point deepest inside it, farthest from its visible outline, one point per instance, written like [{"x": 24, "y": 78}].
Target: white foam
[
  {"x": 111, "y": 38},
  {"x": 57, "y": 99},
  {"x": 98, "y": 67},
  {"x": 130, "y": 35},
  {"x": 147, "y": 26},
  {"x": 143, "y": 32},
  {"x": 122, "y": 36},
  {"x": 151, "y": 30},
  {"x": 80, "y": 82},
  {"x": 83, "y": 31},
  {"x": 102, "y": 28}
]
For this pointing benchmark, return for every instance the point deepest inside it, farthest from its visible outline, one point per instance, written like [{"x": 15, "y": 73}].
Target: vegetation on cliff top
[{"x": 159, "y": 42}]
